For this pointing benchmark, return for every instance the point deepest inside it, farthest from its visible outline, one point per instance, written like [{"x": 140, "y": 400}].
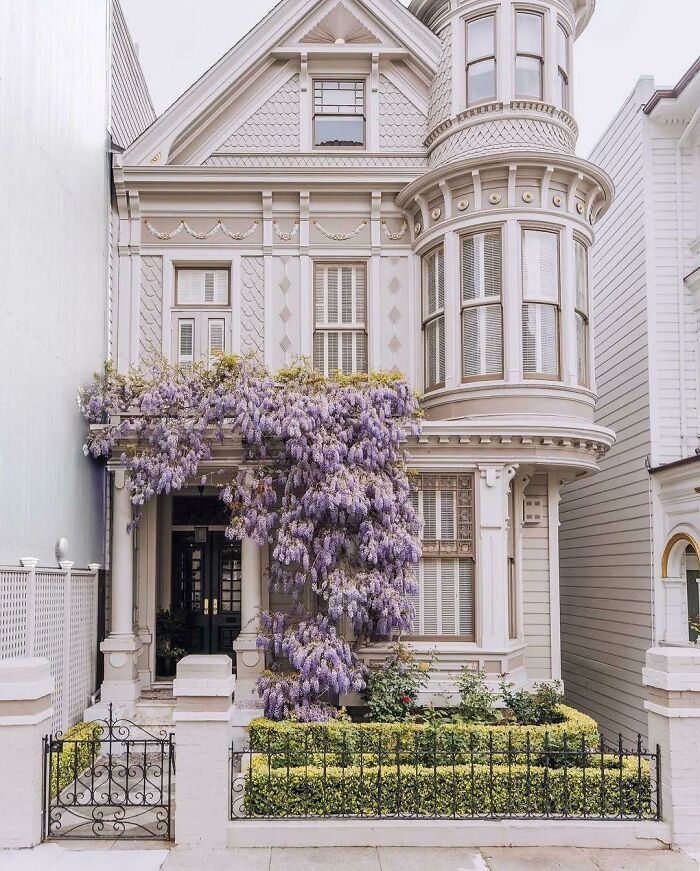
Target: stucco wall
[{"x": 53, "y": 237}]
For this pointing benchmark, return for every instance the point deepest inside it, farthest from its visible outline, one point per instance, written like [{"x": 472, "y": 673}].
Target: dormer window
[
  {"x": 481, "y": 60},
  {"x": 339, "y": 114},
  {"x": 529, "y": 58}
]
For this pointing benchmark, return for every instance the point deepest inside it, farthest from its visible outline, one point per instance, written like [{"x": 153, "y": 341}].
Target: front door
[{"x": 207, "y": 586}]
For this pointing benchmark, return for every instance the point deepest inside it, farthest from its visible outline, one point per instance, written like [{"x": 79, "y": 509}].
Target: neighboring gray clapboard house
[{"x": 625, "y": 576}]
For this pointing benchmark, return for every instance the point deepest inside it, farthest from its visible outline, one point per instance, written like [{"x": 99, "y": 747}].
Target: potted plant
[{"x": 171, "y": 629}]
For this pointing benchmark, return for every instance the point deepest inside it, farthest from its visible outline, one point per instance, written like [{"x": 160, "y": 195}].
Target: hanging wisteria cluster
[{"x": 324, "y": 481}]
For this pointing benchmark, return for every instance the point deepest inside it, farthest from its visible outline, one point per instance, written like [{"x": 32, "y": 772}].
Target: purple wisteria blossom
[{"x": 326, "y": 484}]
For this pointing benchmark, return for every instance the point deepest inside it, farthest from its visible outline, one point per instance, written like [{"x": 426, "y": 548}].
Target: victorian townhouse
[{"x": 374, "y": 188}]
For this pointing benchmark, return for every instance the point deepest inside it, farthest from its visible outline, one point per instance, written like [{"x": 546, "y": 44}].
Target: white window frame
[
  {"x": 582, "y": 302},
  {"x": 478, "y": 59},
  {"x": 355, "y": 329},
  {"x": 540, "y": 302},
  {"x": 480, "y": 306},
  {"x": 216, "y": 272},
  {"x": 526, "y": 54},
  {"x": 432, "y": 319},
  {"x": 357, "y": 80},
  {"x": 563, "y": 95}
]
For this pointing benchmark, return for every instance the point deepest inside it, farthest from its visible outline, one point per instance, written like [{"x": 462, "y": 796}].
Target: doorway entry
[{"x": 206, "y": 578}]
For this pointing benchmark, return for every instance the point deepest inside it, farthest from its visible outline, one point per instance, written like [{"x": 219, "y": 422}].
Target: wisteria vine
[{"x": 324, "y": 480}]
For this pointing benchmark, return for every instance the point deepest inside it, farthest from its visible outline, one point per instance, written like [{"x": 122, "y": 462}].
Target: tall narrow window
[
  {"x": 340, "y": 306},
  {"x": 445, "y": 602},
  {"x": 481, "y": 60},
  {"x": 185, "y": 342},
  {"x": 339, "y": 113},
  {"x": 434, "y": 317},
  {"x": 202, "y": 287},
  {"x": 529, "y": 58},
  {"x": 482, "y": 310},
  {"x": 216, "y": 335},
  {"x": 582, "y": 304},
  {"x": 563, "y": 66},
  {"x": 540, "y": 304}
]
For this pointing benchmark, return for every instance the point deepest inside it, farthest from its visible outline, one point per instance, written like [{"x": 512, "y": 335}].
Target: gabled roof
[{"x": 268, "y": 42}]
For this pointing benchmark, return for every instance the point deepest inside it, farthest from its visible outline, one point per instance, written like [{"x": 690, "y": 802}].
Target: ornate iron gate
[{"x": 109, "y": 779}]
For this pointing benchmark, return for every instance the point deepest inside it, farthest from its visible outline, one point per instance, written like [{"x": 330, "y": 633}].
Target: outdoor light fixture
[{"x": 200, "y": 534}]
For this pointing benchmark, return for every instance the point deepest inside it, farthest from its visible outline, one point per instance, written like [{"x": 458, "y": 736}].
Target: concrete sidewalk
[{"x": 116, "y": 856}]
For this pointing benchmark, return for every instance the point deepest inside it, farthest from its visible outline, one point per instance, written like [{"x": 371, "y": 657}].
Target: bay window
[
  {"x": 562, "y": 96},
  {"x": 482, "y": 308},
  {"x": 529, "y": 55},
  {"x": 340, "y": 318},
  {"x": 481, "y": 60},
  {"x": 541, "y": 300},
  {"x": 582, "y": 304},
  {"x": 434, "y": 318},
  {"x": 445, "y": 604}
]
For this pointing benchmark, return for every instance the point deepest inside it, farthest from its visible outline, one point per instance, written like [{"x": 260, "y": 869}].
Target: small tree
[{"x": 326, "y": 484}]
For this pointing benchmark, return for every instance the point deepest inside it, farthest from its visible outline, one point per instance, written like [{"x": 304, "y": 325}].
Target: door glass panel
[
  {"x": 230, "y": 581},
  {"x": 196, "y": 591}
]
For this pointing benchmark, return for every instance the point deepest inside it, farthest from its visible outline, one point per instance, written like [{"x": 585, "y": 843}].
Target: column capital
[{"x": 29, "y": 562}]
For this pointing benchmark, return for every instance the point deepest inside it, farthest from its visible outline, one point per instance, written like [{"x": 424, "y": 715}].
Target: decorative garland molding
[
  {"x": 341, "y": 237},
  {"x": 395, "y": 237},
  {"x": 285, "y": 237},
  {"x": 165, "y": 237}
]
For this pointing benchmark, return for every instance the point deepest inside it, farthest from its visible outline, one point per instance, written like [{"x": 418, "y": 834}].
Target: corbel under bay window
[
  {"x": 482, "y": 308},
  {"x": 541, "y": 301},
  {"x": 445, "y": 605},
  {"x": 434, "y": 318}
]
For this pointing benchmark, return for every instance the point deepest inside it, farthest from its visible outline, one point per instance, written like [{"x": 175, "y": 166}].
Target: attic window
[{"x": 339, "y": 114}]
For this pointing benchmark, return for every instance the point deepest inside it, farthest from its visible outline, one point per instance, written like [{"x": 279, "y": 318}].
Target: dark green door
[{"x": 207, "y": 586}]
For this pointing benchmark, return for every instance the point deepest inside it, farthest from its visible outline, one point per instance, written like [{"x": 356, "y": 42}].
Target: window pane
[
  {"x": 540, "y": 340},
  {"x": 434, "y": 278},
  {"x": 435, "y": 352},
  {"x": 430, "y": 515},
  {"x": 529, "y": 33},
  {"x": 481, "y": 82},
  {"x": 540, "y": 265},
  {"x": 562, "y": 92},
  {"x": 482, "y": 341},
  {"x": 562, "y": 48},
  {"x": 480, "y": 38},
  {"x": 581, "y": 267},
  {"x": 339, "y": 98},
  {"x": 466, "y": 597},
  {"x": 481, "y": 266},
  {"x": 582, "y": 350},
  {"x": 528, "y": 77},
  {"x": 339, "y": 131}
]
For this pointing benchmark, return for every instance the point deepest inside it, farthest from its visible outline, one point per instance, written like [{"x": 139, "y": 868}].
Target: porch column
[
  {"x": 121, "y": 649},
  {"x": 493, "y": 483},
  {"x": 675, "y": 616},
  {"x": 250, "y": 661}
]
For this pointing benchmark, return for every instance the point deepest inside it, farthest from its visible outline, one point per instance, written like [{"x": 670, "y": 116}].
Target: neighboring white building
[
  {"x": 56, "y": 116},
  {"x": 630, "y": 536},
  {"x": 417, "y": 164}
]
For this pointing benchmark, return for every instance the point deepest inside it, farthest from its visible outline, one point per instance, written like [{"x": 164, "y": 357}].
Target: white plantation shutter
[
  {"x": 481, "y": 266},
  {"x": 482, "y": 314},
  {"x": 540, "y": 340},
  {"x": 582, "y": 349},
  {"x": 482, "y": 341},
  {"x": 540, "y": 266},
  {"x": 202, "y": 287},
  {"x": 217, "y": 338},
  {"x": 340, "y": 311},
  {"x": 434, "y": 317},
  {"x": 185, "y": 341},
  {"x": 581, "y": 274},
  {"x": 446, "y": 598},
  {"x": 540, "y": 317},
  {"x": 467, "y": 604},
  {"x": 429, "y": 597}
]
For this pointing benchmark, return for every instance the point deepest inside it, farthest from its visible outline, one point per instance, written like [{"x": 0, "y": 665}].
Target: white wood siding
[
  {"x": 605, "y": 545},
  {"x": 131, "y": 107},
  {"x": 536, "y": 581}
]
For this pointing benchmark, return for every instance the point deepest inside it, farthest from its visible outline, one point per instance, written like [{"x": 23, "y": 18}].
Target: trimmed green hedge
[
  {"x": 462, "y": 791},
  {"x": 343, "y": 743},
  {"x": 80, "y": 747}
]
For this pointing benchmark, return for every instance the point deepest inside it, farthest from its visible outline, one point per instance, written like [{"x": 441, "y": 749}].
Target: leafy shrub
[
  {"x": 463, "y": 791},
  {"x": 72, "y": 754},
  {"x": 540, "y": 707},
  {"x": 393, "y": 686},
  {"x": 476, "y": 701}
]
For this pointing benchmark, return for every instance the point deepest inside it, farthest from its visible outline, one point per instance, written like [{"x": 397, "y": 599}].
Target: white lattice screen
[{"x": 52, "y": 613}]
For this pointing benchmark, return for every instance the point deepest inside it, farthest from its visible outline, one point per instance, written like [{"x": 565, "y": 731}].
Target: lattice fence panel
[
  {"x": 14, "y": 594},
  {"x": 49, "y": 636},
  {"x": 82, "y": 659}
]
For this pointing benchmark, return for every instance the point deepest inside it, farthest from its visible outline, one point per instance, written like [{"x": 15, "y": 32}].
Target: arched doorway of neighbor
[{"x": 681, "y": 559}]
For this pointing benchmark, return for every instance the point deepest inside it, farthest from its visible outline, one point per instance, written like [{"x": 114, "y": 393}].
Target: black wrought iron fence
[{"x": 442, "y": 777}]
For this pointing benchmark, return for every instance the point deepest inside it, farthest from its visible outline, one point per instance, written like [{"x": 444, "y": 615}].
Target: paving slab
[
  {"x": 538, "y": 859},
  {"x": 642, "y": 860},
  {"x": 440, "y": 859},
  {"x": 200, "y": 859},
  {"x": 343, "y": 859},
  {"x": 52, "y": 857}
]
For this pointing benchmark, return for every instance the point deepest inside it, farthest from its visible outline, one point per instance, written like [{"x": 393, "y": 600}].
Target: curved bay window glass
[
  {"x": 529, "y": 56},
  {"x": 481, "y": 60},
  {"x": 562, "y": 97},
  {"x": 434, "y": 318},
  {"x": 339, "y": 114},
  {"x": 340, "y": 318},
  {"x": 582, "y": 304},
  {"x": 541, "y": 299},
  {"x": 445, "y": 604},
  {"x": 482, "y": 310}
]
